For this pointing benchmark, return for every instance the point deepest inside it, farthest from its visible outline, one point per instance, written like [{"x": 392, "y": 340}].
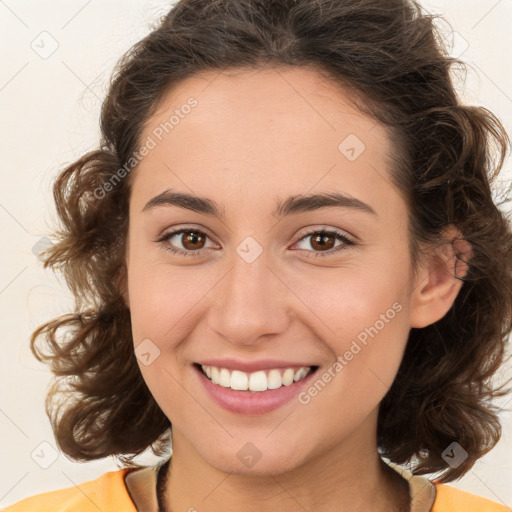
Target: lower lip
[{"x": 252, "y": 402}]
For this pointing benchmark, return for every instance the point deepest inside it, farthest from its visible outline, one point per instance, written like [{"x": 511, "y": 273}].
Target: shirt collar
[{"x": 141, "y": 486}]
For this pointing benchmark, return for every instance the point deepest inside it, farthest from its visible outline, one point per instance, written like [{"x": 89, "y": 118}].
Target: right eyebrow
[{"x": 182, "y": 200}]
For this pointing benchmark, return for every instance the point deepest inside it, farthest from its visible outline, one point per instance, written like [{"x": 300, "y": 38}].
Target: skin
[{"x": 256, "y": 137}]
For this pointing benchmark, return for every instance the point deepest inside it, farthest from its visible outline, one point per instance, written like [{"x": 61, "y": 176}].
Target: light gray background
[{"x": 49, "y": 109}]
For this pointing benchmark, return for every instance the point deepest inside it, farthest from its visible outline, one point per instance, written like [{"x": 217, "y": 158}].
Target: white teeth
[
  {"x": 224, "y": 378},
  {"x": 288, "y": 376},
  {"x": 274, "y": 380},
  {"x": 256, "y": 381},
  {"x": 239, "y": 380},
  {"x": 299, "y": 374}
]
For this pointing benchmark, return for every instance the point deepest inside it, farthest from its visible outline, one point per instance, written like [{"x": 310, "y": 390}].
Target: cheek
[
  {"x": 370, "y": 353},
  {"x": 161, "y": 297},
  {"x": 162, "y": 300},
  {"x": 348, "y": 300},
  {"x": 362, "y": 316}
]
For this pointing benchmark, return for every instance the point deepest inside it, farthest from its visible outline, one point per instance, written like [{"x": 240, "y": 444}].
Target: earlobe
[
  {"x": 440, "y": 279},
  {"x": 463, "y": 254}
]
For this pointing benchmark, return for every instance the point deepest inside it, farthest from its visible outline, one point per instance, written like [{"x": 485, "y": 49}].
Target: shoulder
[
  {"x": 107, "y": 493},
  {"x": 450, "y": 499}
]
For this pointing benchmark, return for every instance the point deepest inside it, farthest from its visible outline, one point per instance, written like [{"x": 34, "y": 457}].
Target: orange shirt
[{"x": 109, "y": 493}]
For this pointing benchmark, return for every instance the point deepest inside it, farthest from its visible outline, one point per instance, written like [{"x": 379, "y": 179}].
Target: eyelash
[{"x": 339, "y": 236}]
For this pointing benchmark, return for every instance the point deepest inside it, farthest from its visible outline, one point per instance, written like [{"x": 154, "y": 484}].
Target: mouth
[{"x": 255, "y": 382}]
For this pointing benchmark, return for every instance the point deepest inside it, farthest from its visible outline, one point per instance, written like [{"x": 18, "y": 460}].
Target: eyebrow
[{"x": 292, "y": 205}]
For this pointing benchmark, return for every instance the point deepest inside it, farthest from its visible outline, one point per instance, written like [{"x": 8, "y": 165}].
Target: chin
[{"x": 250, "y": 461}]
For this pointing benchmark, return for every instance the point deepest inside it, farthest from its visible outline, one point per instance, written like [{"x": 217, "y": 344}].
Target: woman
[{"x": 286, "y": 259}]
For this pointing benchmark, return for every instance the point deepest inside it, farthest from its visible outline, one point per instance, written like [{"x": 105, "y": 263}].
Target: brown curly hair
[{"x": 389, "y": 54}]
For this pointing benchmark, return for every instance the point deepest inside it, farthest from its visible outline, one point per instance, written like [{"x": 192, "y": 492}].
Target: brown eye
[
  {"x": 186, "y": 242},
  {"x": 322, "y": 241},
  {"x": 192, "y": 240}
]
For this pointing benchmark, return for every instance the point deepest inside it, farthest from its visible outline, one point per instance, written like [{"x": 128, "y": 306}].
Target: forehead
[
  {"x": 247, "y": 100},
  {"x": 254, "y": 130}
]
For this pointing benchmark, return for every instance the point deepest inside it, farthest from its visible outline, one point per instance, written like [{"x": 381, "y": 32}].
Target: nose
[{"x": 250, "y": 302}]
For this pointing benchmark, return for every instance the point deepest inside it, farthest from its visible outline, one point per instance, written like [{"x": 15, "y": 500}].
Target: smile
[
  {"x": 258, "y": 381},
  {"x": 260, "y": 391}
]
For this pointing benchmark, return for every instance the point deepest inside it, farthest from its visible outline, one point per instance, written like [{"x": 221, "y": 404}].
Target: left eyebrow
[
  {"x": 298, "y": 204},
  {"x": 292, "y": 205}
]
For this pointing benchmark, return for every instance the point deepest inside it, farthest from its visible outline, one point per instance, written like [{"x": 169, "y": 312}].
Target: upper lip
[{"x": 252, "y": 366}]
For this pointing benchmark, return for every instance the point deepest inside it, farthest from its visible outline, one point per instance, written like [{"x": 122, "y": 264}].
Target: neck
[{"x": 343, "y": 479}]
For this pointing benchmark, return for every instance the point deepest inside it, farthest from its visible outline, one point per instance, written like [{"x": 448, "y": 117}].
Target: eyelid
[
  {"x": 327, "y": 230},
  {"x": 346, "y": 239},
  {"x": 163, "y": 239},
  {"x": 169, "y": 232}
]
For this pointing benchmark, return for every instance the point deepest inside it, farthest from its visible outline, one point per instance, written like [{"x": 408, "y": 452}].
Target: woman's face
[{"x": 255, "y": 280}]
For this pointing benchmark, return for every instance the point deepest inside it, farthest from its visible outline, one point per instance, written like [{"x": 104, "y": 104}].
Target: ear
[{"x": 439, "y": 278}]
